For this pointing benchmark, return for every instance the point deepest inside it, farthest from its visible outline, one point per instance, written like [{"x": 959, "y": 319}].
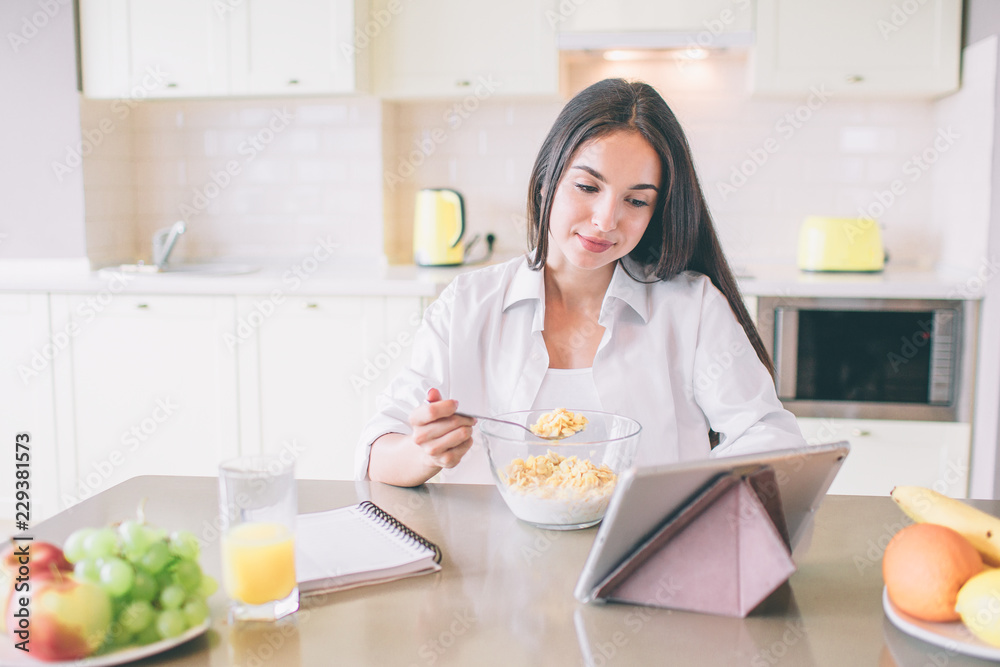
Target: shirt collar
[
  {"x": 630, "y": 292},
  {"x": 529, "y": 284}
]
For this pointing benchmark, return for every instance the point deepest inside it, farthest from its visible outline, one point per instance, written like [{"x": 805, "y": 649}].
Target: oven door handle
[{"x": 786, "y": 344}]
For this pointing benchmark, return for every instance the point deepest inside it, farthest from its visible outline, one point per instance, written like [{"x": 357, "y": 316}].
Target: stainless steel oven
[{"x": 902, "y": 359}]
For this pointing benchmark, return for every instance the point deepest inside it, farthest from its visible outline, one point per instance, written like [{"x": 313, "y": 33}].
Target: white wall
[
  {"x": 982, "y": 21},
  {"x": 961, "y": 175},
  {"x": 964, "y": 203},
  {"x": 42, "y": 211}
]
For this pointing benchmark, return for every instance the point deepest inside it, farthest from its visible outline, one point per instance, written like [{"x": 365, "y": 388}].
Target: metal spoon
[{"x": 504, "y": 421}]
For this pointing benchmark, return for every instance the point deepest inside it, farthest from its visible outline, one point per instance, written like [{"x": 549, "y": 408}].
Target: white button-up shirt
[{"x": 673, "y": 357}]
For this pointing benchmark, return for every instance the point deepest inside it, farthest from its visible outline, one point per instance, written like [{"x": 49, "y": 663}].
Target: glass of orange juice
[{"x": 258, "y": 505}]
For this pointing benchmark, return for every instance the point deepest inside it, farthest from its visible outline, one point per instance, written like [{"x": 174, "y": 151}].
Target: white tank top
[{"x": 571, "y": 388}]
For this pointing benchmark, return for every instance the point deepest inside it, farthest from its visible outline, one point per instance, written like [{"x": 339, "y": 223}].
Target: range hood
[{"x": 605, "y": 41}]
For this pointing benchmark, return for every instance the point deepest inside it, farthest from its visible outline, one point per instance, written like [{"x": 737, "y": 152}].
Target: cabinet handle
[
  {"x": 855, "y": 78},
  {"x": 310, "y": 305},
  {"x": 171, "y": 85},
  {"x": 463, "y": 83},
  {"x": 142, "y": 306},
  {"x": 860, "y": 432},
  {"x": 293, "y": 82}
]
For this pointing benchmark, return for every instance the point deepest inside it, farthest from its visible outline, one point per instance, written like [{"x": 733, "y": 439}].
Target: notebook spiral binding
[{"x": 371, "y": 509}]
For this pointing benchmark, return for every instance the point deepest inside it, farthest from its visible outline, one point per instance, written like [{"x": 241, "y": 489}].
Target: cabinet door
[
  {"x": 402, "y": 316},
  {"x": 714, "y": 16},
  {"x": 301, "y": 359},
  {"x": 181, "y": 44},
  {"x": 314, "y": 367},
  {"x": 148, "y": 387},
  {"x": 290, "y": 47},
  {"x": 27, "y": 348},
  {"x": 455, "y": 48},
  {"x": 858, "y": 47},
  {"x": 104, "y": 48},
  {"x": 885, "y": 454},
  {"x": 154, "y": 48}
]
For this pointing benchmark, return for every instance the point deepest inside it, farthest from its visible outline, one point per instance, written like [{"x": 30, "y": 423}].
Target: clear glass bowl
[{"x": 557, "y": 499}]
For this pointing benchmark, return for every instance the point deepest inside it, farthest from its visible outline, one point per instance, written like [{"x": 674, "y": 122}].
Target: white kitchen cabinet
[
  {"x": 183, "y": 42},
  {"x": 665, "y": 16},
  {"x": 310, "y": 371},
  {"x": 885, "y": 454},
  {"x": 294, "y": 47},
  {"x": 455, "y": 48},
  {"x": 27, "y": 348},
  {"x": 153, "y": 48},
  {"x": 194, "y": 48},
  {"x": 857, "y": 48},
  {"x": 146, "y": 386}
]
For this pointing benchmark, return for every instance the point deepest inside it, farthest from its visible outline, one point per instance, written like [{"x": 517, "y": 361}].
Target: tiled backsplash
[
  {"x": 109, "y": 181},
  {"x": 340, "y": 166},
  {"x": 252, "y": 178}
]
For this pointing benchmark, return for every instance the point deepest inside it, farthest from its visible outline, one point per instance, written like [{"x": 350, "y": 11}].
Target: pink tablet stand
[{"x": 723, "y": 553}]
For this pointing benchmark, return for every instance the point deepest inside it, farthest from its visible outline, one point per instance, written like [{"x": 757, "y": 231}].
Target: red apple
[
  {"x": 69, "y": 618},
  {"x": 41, "y": 557}
]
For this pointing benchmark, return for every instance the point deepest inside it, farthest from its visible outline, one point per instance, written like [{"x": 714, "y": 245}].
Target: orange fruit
[{"x": 924, "y": 566}]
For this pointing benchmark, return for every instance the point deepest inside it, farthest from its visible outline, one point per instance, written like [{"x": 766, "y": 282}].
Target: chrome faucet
[{"x": 164, "y": 241}]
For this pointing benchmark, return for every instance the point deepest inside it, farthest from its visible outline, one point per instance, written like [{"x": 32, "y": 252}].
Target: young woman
[{"x": 624, "y": 303}]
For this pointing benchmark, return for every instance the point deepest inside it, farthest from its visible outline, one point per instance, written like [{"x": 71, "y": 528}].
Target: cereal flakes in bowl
[{"x": 560, "y": 484}]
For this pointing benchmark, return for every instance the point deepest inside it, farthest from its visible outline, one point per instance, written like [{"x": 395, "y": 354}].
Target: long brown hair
[{"x": 680, "y": 236}]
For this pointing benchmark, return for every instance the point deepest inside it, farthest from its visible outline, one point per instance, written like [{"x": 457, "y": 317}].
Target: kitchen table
[{"x": 505, "y": 593}]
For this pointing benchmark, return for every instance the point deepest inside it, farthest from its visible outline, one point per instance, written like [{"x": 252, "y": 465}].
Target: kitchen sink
[
  {"x": 210, "y": 269},
  {"x": 186, "y": 269}
]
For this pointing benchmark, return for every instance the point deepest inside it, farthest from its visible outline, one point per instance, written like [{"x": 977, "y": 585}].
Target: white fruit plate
[
  {"x": 15, "y": 658},
  {"x": 954, "y": 637}
]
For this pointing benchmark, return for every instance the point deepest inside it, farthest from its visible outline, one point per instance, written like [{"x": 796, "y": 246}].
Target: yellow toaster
[{"x": 840, "y": 244}]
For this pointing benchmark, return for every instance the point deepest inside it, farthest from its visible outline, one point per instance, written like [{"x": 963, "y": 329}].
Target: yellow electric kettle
[{"x": 438, "y": 227}]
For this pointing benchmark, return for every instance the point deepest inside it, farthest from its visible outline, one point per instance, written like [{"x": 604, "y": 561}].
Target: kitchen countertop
[
  {"x": 505, "y": 593},
  {"x": 895, "y": 282},
  {"x": 304, "y": 276},
  {"x": 307, "y": 276}
]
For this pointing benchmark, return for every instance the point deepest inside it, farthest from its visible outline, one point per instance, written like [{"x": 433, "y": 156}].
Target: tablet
[{"x": 645, "y": 498}]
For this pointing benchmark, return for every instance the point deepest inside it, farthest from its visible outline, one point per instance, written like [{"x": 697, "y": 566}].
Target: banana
[{"x": 928, "y": 506}]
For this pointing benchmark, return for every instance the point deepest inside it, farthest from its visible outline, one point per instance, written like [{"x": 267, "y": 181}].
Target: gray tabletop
[{"x": 505, "y": 593}]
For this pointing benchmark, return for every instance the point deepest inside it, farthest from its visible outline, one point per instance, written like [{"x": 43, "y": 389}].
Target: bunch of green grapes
[{"x": 153, "y": 578}]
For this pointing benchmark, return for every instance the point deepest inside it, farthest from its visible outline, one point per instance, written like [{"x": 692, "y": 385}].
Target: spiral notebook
[{"x": 356, "y": 546}]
